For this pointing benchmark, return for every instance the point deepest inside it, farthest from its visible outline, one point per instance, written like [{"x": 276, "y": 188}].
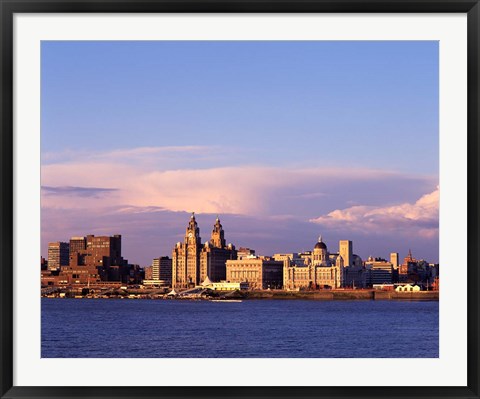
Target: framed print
[{"x": 239, "y": 199}]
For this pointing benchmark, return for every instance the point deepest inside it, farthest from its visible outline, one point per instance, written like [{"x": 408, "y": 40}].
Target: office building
[
  {"x": 58, "y": 253},
  {"x": 257, "y": 272},
  {"x": 394, "y": 260},
  {"x": 379, "y": 271}
]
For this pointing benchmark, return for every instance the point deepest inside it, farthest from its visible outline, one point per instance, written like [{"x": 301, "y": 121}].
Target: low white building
[
  {"x": 224, "y": 285},
  {"x": 407, "y": 288}
]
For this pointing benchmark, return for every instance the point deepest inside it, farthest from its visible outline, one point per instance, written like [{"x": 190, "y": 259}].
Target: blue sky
[{"x": 291, "y": 130}]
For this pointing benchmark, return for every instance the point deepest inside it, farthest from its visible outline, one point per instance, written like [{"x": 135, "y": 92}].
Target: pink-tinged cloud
[
  {"x": 419, "y": 218},
  {"x": 193, "y": 179}
]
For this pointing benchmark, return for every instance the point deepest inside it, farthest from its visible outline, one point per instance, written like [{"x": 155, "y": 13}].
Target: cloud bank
[
  {"x": 151, "y": 178},
  {"x": 420, "y": 217}
]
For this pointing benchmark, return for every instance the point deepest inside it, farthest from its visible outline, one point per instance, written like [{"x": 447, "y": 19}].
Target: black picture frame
[{"x": 9, "y": 7}]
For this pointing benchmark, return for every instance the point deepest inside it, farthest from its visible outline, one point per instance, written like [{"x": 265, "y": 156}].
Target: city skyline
[
  {"x": 285, "y": 140},
  {"x": 207, "y": 238}
]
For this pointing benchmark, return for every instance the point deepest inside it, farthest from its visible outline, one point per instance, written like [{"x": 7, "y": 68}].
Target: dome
[{"x": 320, "y": 245}]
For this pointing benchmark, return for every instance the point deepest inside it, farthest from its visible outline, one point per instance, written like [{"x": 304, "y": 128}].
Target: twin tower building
[{"x": 193, "y": 261}]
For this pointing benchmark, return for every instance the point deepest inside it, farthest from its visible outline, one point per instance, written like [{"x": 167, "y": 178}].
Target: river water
[{"x": 106, "y": 328}]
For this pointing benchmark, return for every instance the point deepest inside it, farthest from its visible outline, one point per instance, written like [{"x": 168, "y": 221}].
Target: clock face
[{"x": 190, "y": 235}]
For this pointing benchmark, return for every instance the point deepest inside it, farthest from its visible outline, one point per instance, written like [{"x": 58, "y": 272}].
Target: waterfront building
[
  {"x": 192, "y": 262},
  {"x": 100, "y": 260},
  {"x": 327, "y": 273},
  {"x": 215, "y": 254},
  {"x": 58, "y": 253},
  {"x": 379, "y": 271},
  {"x": 321, "y": 269},
  {"x": 355, "y": 275},
  {"x": 224, "y": 285},
  {"x": 257, "y": 272},
  {"x": 159, "y": 273},
  {"x": 407, "y": 288},
  {"x": 162, "y": 269},
  {"x": 186, "y": 257},
  {"x": 383, "y": 287}
]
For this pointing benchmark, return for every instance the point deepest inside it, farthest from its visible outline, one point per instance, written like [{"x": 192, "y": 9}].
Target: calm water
[{"x": 255, "y": 328}]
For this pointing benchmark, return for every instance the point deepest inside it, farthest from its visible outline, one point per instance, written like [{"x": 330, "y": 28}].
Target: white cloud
[{"x": 420, "y": 217}]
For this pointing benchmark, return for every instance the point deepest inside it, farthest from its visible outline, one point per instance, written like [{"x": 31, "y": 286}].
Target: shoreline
[{"x": 323, "y": 295}]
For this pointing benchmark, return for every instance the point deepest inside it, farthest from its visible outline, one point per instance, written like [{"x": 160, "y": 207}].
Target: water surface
[{"x": 101, "y": 328}]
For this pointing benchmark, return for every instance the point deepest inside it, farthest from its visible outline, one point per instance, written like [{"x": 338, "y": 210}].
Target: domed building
[
  {"x": 320, "y": 253},
  {"x": 324, "y": 270}
]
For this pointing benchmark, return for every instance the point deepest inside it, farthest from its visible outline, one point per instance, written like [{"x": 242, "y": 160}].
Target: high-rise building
[
  {"x": 345, "y": 251},
  {"x": 394, "y": 260},
  {"x": 58, "y": 254},
  {"x": 162, "y": 269},
  {"x": 186, "y": 257},
  {"x": 95, "y": 258}
]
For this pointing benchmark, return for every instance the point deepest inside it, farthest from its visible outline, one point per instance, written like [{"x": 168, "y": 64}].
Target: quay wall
[{"x": 344, "y": 295}]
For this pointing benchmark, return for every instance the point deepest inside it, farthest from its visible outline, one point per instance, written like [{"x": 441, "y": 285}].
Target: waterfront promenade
[{"x": 159, "y": 293}]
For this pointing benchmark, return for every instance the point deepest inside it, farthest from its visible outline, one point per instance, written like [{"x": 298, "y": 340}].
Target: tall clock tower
[
  {"x": 192, "y": 234},
  {"x": 186, "y": 257}
]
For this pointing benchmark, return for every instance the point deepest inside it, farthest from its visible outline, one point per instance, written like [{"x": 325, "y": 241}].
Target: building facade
[
  {"x": 346, "y": 252},
  {"x": 192, "y": 262},
  {"x": 162, "y": 269},
  {"x": 215, "y": 254},
  {"x": 394, "y": 260},
  {"x": 257, "y": 272},
  {"x": 379, "y": 271},
  {"x": 58, "y": 253},
  {"x": 96, "y": 258},
  {"x": 319, "y": 269}
]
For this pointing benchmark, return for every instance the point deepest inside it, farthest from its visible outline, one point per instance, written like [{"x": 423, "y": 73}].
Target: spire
[
  {"x": 193, "y": 215},
  {"x": 320, "y": 238},
  {"x": 409, "y": 256}
]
